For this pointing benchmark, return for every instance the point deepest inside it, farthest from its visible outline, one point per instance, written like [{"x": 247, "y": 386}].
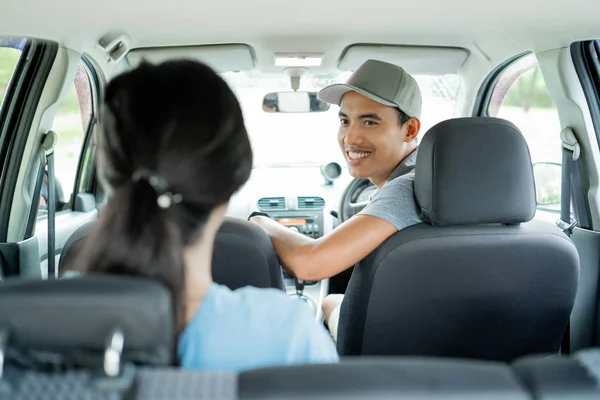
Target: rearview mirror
[
  {"x": 293, "y": 102},
  {"x": 547, "y": 177}
]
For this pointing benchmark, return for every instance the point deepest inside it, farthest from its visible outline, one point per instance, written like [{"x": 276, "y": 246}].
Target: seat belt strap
[
  {"x": 48, "y": 147},
  {"x": 37, "y": 193},
  {"x": 578, "y": 195},
  {"x": 570, "y": 155}
]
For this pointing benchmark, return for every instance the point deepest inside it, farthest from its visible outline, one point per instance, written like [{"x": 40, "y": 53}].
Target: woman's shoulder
[
  {"x": 251, "y": 306},
  {"x": 265, "y": 299}
]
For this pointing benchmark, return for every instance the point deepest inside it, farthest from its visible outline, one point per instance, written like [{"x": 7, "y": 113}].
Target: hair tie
[{"x": 165, "y": 198}]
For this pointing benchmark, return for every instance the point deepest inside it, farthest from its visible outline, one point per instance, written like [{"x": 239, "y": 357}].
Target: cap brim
[{"x": 333, "y": 94}]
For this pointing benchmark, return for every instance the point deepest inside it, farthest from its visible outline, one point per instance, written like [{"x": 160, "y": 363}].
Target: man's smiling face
[{"x": 372, "y": 138}]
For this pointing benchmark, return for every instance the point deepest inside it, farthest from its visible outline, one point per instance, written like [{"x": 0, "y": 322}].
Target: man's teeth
[{"x": 357, "y": 156}]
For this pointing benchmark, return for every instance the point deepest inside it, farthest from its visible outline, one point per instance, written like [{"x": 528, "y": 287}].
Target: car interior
[{"x": 491, "y": 298}]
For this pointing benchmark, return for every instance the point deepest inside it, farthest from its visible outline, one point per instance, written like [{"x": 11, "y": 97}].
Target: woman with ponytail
[{"x": 173, "y": 149}]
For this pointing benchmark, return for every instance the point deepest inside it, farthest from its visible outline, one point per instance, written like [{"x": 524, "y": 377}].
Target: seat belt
[
  {"x": 570, "y": 155},
  {"x": 48, "y": 156},
  {"x": 570, "y": 166},
  {"x": 37, "y": 194}
]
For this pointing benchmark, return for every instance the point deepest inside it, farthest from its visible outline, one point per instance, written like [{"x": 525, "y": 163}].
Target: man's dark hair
[
  {"x": 402, "y": 117},
  {"x": 181, "y": 122}
]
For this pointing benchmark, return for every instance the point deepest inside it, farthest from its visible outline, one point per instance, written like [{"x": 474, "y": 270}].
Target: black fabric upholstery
[
  {"x": 149, "y": 383},
  {"x": 474, "y": 171},
  {"x": 73, "y": 246},
  {"x": 176, "y": 384},
  {"x": 243, "y": 255},
  {"x": 557, "y": 377},
  {"x": 475, "y": 280},
  {"x": 70, "y": 315},
  {"x": 486, "y": 292},
  {"x": 383, "y": 379},
  {"x": 539, "y": 378}
]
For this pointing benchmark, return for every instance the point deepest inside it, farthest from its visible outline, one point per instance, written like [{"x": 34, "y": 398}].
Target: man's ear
[{"x": 413, "y": 126}]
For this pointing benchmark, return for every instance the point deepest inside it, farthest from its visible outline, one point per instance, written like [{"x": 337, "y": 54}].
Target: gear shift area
[
  {"x": 310, "y": 293},
  {"x": 299, "y": 284}
]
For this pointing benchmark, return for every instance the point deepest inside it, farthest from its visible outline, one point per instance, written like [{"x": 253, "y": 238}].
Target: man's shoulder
[
  {"x": 396, "y": 203},
  {"x": 400, "y": 184}
]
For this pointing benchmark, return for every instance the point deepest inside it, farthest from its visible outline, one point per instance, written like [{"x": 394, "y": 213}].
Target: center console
[
  {"x": 304, "y": 215},
  {"x": 308, "y": 223}
]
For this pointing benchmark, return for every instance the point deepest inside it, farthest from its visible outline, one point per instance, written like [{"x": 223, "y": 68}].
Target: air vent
[
  {"x": 271, "y": 203},
  {"x": 315, "y": 203}
]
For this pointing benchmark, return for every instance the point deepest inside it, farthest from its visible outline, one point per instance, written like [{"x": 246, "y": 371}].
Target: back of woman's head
[{"x": 172, "y": 148}]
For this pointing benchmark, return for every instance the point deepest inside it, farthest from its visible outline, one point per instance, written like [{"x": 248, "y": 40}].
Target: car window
[
  {"x": 521, "y": 96},
  {"x": 10, "y": 52},
  {"x": 70, "y": 123}
]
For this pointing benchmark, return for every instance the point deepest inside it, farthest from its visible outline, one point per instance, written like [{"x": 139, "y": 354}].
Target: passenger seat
[{"x": 243, "y": 255}]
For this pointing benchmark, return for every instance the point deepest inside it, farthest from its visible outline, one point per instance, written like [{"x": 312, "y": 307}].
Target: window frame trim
[
  {"x": 486, "y": 89},
  {"x": 87, "y": 141},
  {"x": 23, "y": 96},
  {"x": 486, "y": 92}
]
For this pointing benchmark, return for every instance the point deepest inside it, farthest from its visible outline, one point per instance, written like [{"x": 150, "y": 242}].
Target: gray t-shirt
[{"x": 395, "y": 202}]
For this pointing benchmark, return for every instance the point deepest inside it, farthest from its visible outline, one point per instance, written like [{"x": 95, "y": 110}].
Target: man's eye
[
  {"x": 370, "y": 123},
  {"x": 343, "y": 121}
]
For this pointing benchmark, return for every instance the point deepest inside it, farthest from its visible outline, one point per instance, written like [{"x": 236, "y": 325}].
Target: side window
[
  {"x": 521, "y": 97},
  {"x": 9, "y": 57},
  {"x": 71, "y": 123}
]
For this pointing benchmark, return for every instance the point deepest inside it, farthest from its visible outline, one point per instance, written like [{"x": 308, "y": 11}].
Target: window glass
[
  {"x": 521, "y": 97},
  {"x": 71, "y": 122},
  {"x": 10, "y": 52}
]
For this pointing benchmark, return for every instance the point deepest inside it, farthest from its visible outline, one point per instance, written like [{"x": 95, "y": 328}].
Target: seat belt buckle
[{"x": 566, "y": 227}]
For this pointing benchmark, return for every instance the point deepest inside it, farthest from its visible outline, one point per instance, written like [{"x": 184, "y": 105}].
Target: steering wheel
[{"x": 355, "y": 198}]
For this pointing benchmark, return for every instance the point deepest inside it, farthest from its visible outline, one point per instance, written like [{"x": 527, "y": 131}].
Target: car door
[
  {"x": 44, "y": 87},
  {"x": 517, "y": 91},
  {"x": 75, "y": 124}
]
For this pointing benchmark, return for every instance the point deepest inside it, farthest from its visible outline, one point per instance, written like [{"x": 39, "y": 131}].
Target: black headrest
[
  {"x": 474, "y": 171},
  {"x": 243, "y": 255},
  {"x": 79, "y": 315}
]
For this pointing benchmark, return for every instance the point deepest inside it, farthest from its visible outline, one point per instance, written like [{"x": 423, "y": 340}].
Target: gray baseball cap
[{"x": 383, "y": 82}]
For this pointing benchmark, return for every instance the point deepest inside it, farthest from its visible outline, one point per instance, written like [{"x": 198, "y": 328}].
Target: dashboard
[
  {"x": 300, "y": 198},
  {"x": 296, "y": 186}
]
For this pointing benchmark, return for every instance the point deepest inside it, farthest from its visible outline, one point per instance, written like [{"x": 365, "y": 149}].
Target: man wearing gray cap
[{"x": 380, "y": 106}]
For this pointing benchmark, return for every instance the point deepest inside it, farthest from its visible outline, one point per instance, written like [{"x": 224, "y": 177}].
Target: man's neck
[{"x": 379, "y": 181}]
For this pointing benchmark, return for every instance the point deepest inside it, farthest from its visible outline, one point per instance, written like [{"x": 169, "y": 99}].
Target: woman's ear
[{"x": 413, "y": 126}]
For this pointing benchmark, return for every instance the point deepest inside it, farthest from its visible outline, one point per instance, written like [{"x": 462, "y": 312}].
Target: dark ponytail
[
  {"x": 181, "y": 124},
  {"x": 134, "y": 237}
]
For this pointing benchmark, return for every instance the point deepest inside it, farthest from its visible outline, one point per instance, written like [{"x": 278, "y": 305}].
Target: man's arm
[{"x": 313, "y": 260}]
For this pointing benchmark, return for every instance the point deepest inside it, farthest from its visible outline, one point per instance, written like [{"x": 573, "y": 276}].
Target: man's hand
[{"x": 312, "y": 260}]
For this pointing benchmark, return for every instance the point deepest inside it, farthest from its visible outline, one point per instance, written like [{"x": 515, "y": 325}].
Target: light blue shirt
[{"x": 251, "y": 328}]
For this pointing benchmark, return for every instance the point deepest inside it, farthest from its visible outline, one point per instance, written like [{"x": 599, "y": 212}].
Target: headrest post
[{"x": 113, "y": 352}]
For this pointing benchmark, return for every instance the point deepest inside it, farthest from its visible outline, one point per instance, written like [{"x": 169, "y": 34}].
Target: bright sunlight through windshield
[{"x": 280, "y": 139}]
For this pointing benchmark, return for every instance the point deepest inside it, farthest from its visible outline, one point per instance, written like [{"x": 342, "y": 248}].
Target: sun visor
[
  {"x": 418, "y": 60},
  {"x": 221, "y": 58}
]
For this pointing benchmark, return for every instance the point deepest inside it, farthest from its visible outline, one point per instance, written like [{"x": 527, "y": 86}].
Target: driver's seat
[{"x": 476, "y": 280}]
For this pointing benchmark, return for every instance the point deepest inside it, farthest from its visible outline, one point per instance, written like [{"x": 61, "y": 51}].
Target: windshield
[{"x": 280, "y": 139}]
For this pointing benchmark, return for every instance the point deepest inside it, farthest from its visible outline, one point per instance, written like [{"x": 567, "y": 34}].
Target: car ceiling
[{"x": 493, "y": 30}]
